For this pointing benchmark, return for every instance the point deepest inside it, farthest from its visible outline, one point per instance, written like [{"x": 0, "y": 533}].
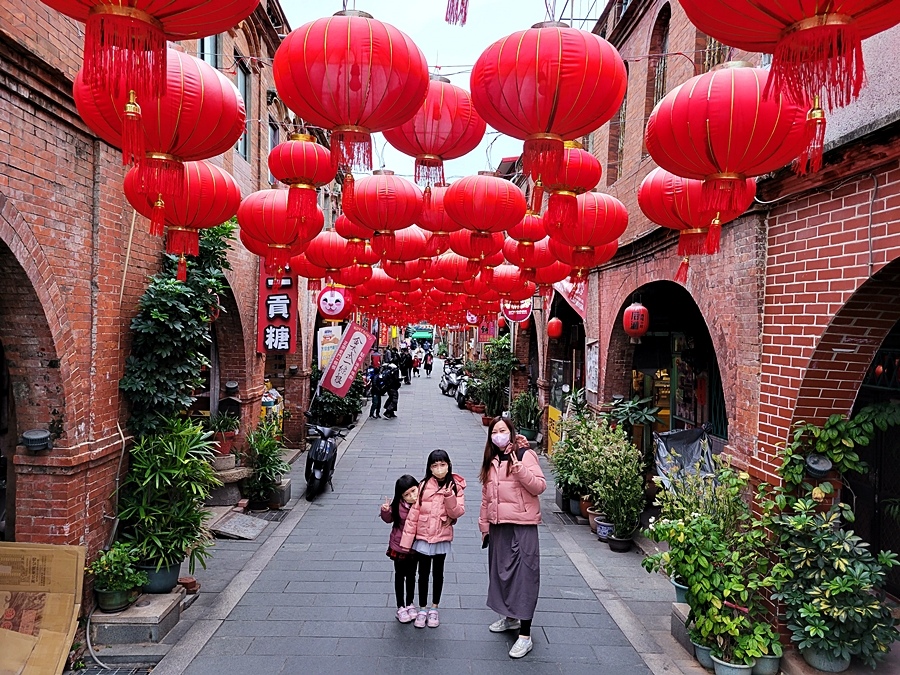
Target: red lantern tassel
[
  {"x": 124, "y": 47},
  {"x": 562, "y": 209},
  {"x": 725, "y": 192},
  {"x": 158, "y": 217},
  {"x": 347, "y": 199},
  {"x": 132, "y": 132},
  {"x": 822, "y": 53},
  {"x": 182, "y": 269},
  {"x": 692, "y": 242},
  {"x": 301, "y": 202},
  {"x": 537, "y": 196},
  {"x": 351, "y": 148},
  {"x": 183, "y": 241},
  {"x": 542, "y": 153},
  {"x": 682, "y": 274},
  {"x": 457, "y": 11},
  {"x": 810, "y": 160},
  {"x": 429, "y": 170},
  {"x": 160, "y": 174},
  {"x": 713, "y": 238}
]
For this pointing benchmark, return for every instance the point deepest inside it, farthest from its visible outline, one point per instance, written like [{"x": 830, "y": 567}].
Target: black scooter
[{"x": 321, "y": 457}]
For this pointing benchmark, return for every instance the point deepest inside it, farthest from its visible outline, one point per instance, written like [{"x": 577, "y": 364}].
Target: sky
[{"x": 454, "y": 49}]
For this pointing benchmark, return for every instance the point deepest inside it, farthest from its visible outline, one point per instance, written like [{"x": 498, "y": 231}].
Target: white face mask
[
  {"x": 500, "y": 439},
  {"x": 439, "y": 471}
]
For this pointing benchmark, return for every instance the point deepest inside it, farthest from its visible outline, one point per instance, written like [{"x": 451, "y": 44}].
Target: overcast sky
[{"x": 453, "y": 48}]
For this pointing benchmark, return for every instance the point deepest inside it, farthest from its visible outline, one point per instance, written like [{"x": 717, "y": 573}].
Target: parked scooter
[
  {"x": 462, "y": 389},
  {"x": 322, "y": 456},
  {"x": 450, "y": 379}
]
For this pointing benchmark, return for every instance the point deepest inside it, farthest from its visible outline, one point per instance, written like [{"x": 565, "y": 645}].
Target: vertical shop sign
[
  {"x": 384, "y": 336},
  {"x": 487, "y": 331},
  {"x": 554, "y": 429},
  {"x": 328, "y": 339},
  {"x": 277, "y": 315},
  {"x": 347, "y": 359}
]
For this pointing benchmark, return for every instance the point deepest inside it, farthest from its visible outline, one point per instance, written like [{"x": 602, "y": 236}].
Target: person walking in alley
[
  {"x": 392, "y": 386},
  {"x": 406, "y": 492},
  {"x": 378, "y": 389},
  {"x": 512, "y": 482},
  {"x": 429, "y": 529},
  {"x": 416, "y": 363},
  {"x": 428, "y": 362},
  {"x": 405, "y": 364}
]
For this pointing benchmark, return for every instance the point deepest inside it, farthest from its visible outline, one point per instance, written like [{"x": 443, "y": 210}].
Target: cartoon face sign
[{"x": 333, "y": 304}]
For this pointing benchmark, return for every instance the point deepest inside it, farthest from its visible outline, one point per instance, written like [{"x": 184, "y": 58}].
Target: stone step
[
  {"x": 147, "y": 620},
  {"x": 136, "y": 655}
]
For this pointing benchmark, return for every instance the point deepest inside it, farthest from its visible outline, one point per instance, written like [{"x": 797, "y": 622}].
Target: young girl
[
  {"x": 406, "y": 491},
  {"x": 429, "y": 529}
]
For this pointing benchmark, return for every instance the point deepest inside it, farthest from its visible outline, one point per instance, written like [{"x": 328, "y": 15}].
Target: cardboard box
[{"x": 40, "y": 600}]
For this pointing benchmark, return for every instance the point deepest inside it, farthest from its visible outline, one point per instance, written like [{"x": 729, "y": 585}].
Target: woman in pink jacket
[
  {"x": 512, "y": 482},
  {"x": 429, "y": 529}
]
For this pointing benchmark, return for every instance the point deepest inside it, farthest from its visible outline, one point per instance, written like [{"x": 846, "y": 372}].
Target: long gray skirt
[{"x": 514, "y": 570}]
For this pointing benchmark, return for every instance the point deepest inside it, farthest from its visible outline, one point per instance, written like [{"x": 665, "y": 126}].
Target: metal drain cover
[
  {"x": 127, "y": 670},
  {"x": 566, "y": 518},
  {"x": 272, "y": 516}
]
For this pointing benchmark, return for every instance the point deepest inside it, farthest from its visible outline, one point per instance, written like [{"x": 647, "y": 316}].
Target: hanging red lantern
[
  {"x": 211, "y": 196},
  {"x": 509, "y": 282},
  {"x": 718, "y": 128},
  {"x": 352, "y": 275},
  {"x": 674, "y": 202},
  {"x": 407, "y": 244},
  {"x": 455, "y": 268},
  {"x": 580, "y": 171},
  {"x": 381, "y": 283},
  {"x": 329, "y": 250},
  {"x": 334, "y": 303},
  {"x": 529, "y": 229},
  {"x": 384, "y": 202},
  {"x": 545, "y": 85},
  {"x": 355, "y": 235},
  {"x": 365, "y": 255},
  {"x": 554, "y": 328},
  {"x": 446, "y": 126},
  {"x": 404, "y": 270},
  {"x": 434, "y": 217},
  {"x": 549, "y": 274},
  {"x": 303, "y": 165},
  {"x": 484, "y": 203},
  {"x": 583, "y": 258},
  {"x": 352, "y": 75},
  {"x": 197, "y": 96},
  {"x": 475, "y": 245},
  {"x": 524, "y": 324},
  {"x": 816, "y": 46},
  {"x": 501, "y": 322},
  {"x": 261, "y": 249},
  {"x": 636, "y": 320},
  {"x": 601, "y": 218}
]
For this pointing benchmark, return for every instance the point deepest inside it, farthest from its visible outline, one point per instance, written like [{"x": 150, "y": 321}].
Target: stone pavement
[{"x": 316, "y": 596}]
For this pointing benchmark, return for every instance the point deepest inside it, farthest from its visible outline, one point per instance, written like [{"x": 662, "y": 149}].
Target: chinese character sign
[
  {"x": 487, "y": 331},
  {"x": 329, "y": 337},
  {"x": 278, "y": 310},
  {"x": 346, "y": 362}
]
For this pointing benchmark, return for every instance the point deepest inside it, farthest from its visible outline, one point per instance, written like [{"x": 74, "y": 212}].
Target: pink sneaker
[
  {"x": 421, "y": 618},
  {"x": 433, "y": 619},
  {"x": 403, "y": 615}
]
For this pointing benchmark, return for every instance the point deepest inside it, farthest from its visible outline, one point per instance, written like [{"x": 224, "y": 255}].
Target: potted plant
[
  {"x": 526, "y": 414},
  {"x": 224, "y": 428},
  {"x": 620, "y": 488},
  {"x": 494, "y": 372},
  {"x": 264, "y": 453},
  {"x": 474, "y": 395},
  {"x": 116, "y": 576},
  {"x": 162, "y": 507}
]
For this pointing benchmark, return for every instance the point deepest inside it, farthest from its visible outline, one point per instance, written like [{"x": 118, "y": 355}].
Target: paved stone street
[{"x": 317, "y": 595}]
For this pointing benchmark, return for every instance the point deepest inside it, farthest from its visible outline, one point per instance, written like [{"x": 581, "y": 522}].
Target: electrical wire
[{"x": 90, "y": 646}]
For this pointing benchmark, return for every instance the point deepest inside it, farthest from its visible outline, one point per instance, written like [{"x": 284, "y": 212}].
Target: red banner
[
  {"x": 277, "y": 315},
  {"x": 487, "y": 331},
  {"x": 574, "y": 293},
  {"x": 351, "y": 353}
]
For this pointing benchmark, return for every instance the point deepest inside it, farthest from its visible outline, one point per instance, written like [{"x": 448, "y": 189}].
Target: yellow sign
[
  {"x": 394, "y": 332},
  {"x": 554, "y": 430}
]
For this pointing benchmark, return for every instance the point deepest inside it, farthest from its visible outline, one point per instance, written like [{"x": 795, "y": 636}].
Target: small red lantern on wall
[
  {"x": 501, "y": 322},
  {"x": 636, "y": 321},
  {"x": 554, "y": 328}
]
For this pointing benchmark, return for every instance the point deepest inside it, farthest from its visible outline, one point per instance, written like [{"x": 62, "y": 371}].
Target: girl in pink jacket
[
  {"x": 511, "y": 484},
  {"x": 406, "y": 492},
  {"x": 429, "y": 529}
]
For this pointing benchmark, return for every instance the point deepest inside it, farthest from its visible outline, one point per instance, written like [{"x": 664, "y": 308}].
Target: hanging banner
[
  {"x": 516, "y": 310},
  {"x": 384, "y": 333},
  {"x": 574, "y": 293},
  {"x": 487, "y": 331},
  {"x": 328, "y": 339},
  {"x": 554, "y": 427},
  {"x": 277, "y": 315},
  {"x": 350, "y": 354}
]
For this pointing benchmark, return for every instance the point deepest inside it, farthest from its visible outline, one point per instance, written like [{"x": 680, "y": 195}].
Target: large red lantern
[
  {"x": 545, "y": 85},
  {"x": 356, "y": 235},
  {"x": 352, "y": 75},
  {"x": 636, "y": 320},
  {"x": 484, "y": 203},
  {"x": 816, "y": 45},
  {"x": 303, "y": 165},
  {"x": 404, "y": 270},
  {"x": 211, "y": 196},
  {"x": 583, "y": 258},
  {"x": 446, "y": 126},
  {"x": 384, "y": 202},
  {"x": 528, "y": 256},
  {"x": 434, "y": 217},
  {"x": 718, "y": 128},
  {"x": 529, "y": 229},
  {"x": 601, "y": 218},
  {"x": 580, "y": 171},
  {"x": 407, "y": 244},
  {"x": 554, "y": 328},
  {"x": 352, "y": 275},
  {"x": 455, "y": 268},
  {"x": 475, "y": 245},
  {"x": 329, "y": 250}
]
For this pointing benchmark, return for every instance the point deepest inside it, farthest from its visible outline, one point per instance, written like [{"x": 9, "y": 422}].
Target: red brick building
[
  {"x": 74, "y": 261},
  {"x": 791, "y": 319}
]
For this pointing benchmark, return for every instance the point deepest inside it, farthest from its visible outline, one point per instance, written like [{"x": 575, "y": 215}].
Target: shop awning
[{"x": 422, "y": 335}]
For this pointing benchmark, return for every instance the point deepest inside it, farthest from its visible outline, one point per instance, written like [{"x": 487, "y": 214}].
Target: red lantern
[
  {"x": 815, "y": 45},
  {"x": 404, "y": 271},
  {"x": 304, "y": 165},
  {"x": 530, "y": 229},
  {"x": 636, "y": 320},
  {"x": 404, "y": 245},
  {"x": 523, "y": 325},
  {"x": 545, "y": 85},
  {"x": 454, "y": 267},
  {"x": 549, "y": 274},
  {"x": 352, "y": 275},
  {"x": 434, "y": 217},
  {"x": 554, "y": 328},
  {"x": 201, "y": 115},
  {"x": 329, "y": 250},
  {"x": 501, "y": 322},
  {"x": 211, "y": 196},
  {"x": 355, "y": 235},
  {"x": 601, "y": 219},
  {"x": 384, "y": 202},
  {"x": 446, "y": 126},
  {"x": 583, "y": 258},
  {"x": 717, "y": 127},
  {"x": 353, "y": 75},
  {"x": 485, "y": 203},
  {"x": 475, "y": 245},
  {"x": 580, "y": 172},
  {"x": 334, "y": 303}
]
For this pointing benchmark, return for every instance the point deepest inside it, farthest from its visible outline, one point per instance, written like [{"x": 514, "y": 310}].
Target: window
[
  {"x": 208, "y": 50},
  {"x": 714, "y": 53},
  {"x": 656, "y": 65},
  {"x": 616, "y": 151},
  {"x": 273, "y": 141},
  {"x": 243, "y": 85}
]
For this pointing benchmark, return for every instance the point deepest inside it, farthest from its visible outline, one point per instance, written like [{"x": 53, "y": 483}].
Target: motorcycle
[
  {"x": 322, "y": 456},
  {"x": 462, "y": 389},
  {"x": 450, "y": 379}
]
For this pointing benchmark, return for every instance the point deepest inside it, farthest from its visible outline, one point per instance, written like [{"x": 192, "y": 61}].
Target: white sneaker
[
  {"x": 505, "y": 624},
  {"x": 521, "y": 648}
]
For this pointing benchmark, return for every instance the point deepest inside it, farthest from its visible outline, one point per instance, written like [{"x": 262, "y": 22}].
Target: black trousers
[
  {"x": 393, "y": 396},
  {"x": 405, "y": 580},
  {"x": 425, "y": 569}
]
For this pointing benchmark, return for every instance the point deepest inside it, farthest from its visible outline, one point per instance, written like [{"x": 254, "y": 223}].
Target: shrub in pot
[
  {"x": 224, "y": 428},
  {"x": 264, "y": 456},
  {"x": 116, "y": 576},
  {"x": 620, "y": 485},
  {"x": 526, "y": 414}
]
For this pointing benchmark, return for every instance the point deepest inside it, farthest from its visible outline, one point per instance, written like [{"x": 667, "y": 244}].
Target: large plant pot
[
  {"x": 604, "y": 529},
  {"x": 619, "y": 545},
  {"x": 680, "y": 591},
  {"x": 824, "y": 661},
  {"x": 703, "y": 656},
  {"x": 583, "y": 506},
  {"x": 575, "y": 506},
  {"x": 225, "y": 440},
  {"x": 562, "y": 501},
  {"x": 530, "y": 434},
  {"x": 486, "y": 420},
  {"x": 113, "y": 601},
  {"x": 162, "y": 581},
  {"x": 725, "y": 668},
  {"x": 477, "y": 408},
  {"x": 767, "y": 665},
  {"x": 592, "y": 515}
]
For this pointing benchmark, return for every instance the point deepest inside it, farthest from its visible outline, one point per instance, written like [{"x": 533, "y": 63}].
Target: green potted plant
[
  {"x": 224, "y": 428},
  {"x": 526, "y": 414},
  {"x": 620, "y": 488},
  {"x": 264, "y": 453},
  {"x": 116, "y": 576},
  {"x": 474, "y": 395},
  {"x": 162, "y": 507},
  {"x": 494, "y": 372},
  {"x": 331, "y": 410}
]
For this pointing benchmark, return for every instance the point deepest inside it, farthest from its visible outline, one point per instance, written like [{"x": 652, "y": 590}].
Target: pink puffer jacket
[
  {"x": 431, "y": 518},
  {"x": 511, "y": 493}
]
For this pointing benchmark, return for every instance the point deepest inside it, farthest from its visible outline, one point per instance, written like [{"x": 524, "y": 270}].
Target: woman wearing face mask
[
  {"x": 512, "y": 481},
  {"x": 429, "y": 529}
]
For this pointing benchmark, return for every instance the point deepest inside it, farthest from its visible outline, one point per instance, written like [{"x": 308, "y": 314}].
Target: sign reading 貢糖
[
  {"x": 350, "y": 354},
  {"x": 277, "y": 317},
  {"x": 516, "y": 310}
]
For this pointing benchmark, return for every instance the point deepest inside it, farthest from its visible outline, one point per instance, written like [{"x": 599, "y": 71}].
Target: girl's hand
[{"x": 386, "y": 505}]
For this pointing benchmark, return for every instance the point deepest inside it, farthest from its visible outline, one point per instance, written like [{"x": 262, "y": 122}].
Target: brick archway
[{"x": 849, "y": 343}]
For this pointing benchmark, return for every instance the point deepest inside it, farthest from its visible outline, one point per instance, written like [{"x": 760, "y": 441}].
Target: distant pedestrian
[
  {"x": 405, "y": 363},
  {"x": 512, "y": 481},
  {"x": 429, "y": 529},
  {"x": 406, "y": 492},
  {"x": 392, "y": 386},
  {"x": 379, "y": 389},
  {"x": 415, "y": 366},
  {"x": 428, "y": 362},
  {"x": 376, "y": 359}
]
